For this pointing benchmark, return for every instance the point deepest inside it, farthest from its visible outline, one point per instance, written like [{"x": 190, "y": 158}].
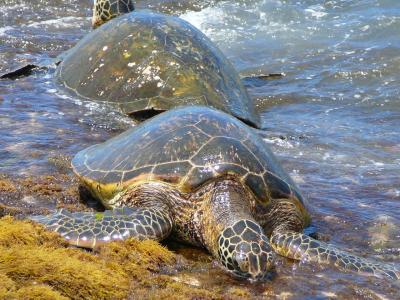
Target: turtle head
[
  {"x": 104, "y": 10},
  {"x": 245, "y": 251}
]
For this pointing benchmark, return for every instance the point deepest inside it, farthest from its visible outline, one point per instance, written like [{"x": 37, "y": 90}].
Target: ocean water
[{"x": 333, "y": 118}]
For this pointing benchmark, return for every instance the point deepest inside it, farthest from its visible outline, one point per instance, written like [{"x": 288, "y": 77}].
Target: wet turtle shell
[
  {"x": 145, "y": 62},
  {"x": 186, "y": 148}
]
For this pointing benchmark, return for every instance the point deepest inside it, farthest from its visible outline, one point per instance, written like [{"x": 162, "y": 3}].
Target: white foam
[
  {"x": 65, "y": 22},
  {"x": 208, "y": 20},
  {"x": 3, "y": 30},
  {"x": 15, "y": 6},
  {"x": 316, "y": 11},
  {"x": 279, "y": 142},
  {"x": 238, "y": 25}
]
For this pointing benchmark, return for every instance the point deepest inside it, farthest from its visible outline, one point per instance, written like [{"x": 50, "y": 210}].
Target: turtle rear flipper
[
  {"x": 259, "y": 79},
  {"x": 302, "y": 247},
  {"x": 43, "y": 65},
  {"x": 26, "y": 70},
  {"x": 91, "y": 230}
]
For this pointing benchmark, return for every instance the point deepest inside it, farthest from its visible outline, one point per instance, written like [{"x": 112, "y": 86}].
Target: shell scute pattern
[
  {"x": 181, "y": 148},
  {"x": 258, "y": 185},
  {"x": 136, "y": 174},
  {"x": 171, "y": 172},
  {"x": 217, "y": 148},
  {"x": 278, "y": 188},
  {"x": 141, "y": 61}
]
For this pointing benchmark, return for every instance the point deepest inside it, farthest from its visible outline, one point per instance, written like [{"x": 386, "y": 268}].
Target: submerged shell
[
  {"x": 144, "y": 61},
  {"x": 186, "y": 148}
]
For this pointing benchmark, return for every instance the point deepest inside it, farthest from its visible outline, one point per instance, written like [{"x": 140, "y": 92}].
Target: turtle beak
[
  {"x": 255, "y": 267},
  {"x": 96, "y": 22},
  {"x": 96, "y": 19}
]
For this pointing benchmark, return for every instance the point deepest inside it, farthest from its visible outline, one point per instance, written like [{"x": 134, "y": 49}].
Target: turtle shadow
[{"x": 88, "y": 200}]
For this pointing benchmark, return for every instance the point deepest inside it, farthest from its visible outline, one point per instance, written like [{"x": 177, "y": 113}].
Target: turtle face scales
[
  {"x": 245, "y": 251},
  {"x": 104, "y": 10}
]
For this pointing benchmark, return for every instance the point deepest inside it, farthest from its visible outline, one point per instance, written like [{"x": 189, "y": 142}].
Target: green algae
[{"x": 99, "y": 216}]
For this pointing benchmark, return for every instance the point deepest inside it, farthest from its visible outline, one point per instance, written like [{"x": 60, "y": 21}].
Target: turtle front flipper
[
  {"x": 302, "y": 247},
  {"x": 91, "y": 230},
  {"x": 286, "y": 220}
]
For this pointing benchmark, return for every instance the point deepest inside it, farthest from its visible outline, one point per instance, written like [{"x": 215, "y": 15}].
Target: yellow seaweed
[{"x": 38, "y": 264}]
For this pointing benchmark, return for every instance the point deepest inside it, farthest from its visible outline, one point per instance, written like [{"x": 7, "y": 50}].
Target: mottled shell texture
[{"x": 146, "y": 61}]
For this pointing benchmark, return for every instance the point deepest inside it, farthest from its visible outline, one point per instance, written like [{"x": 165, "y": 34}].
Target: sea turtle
[
  {"x": 207, "y": 179},
  {"x": 145, "y": 63}
]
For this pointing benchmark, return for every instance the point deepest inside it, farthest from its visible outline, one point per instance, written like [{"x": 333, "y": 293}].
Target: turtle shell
[
  {"x": 185, "y": 147},
  {"x": 148, "y": 62}
]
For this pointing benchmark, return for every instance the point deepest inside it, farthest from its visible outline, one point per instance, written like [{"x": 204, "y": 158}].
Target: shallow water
[{"x": 333, "y": 120}]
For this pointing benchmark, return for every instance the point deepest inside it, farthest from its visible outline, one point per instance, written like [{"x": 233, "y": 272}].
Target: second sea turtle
[{"x": 143, "y": 63}]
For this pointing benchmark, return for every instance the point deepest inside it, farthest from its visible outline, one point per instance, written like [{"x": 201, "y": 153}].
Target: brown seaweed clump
[
  {"x": 38, "y": 264},
  {"x": 6, "y": 185},
  {"x": 31, "y": 258},
  {"x": 39, "y": 194}
]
